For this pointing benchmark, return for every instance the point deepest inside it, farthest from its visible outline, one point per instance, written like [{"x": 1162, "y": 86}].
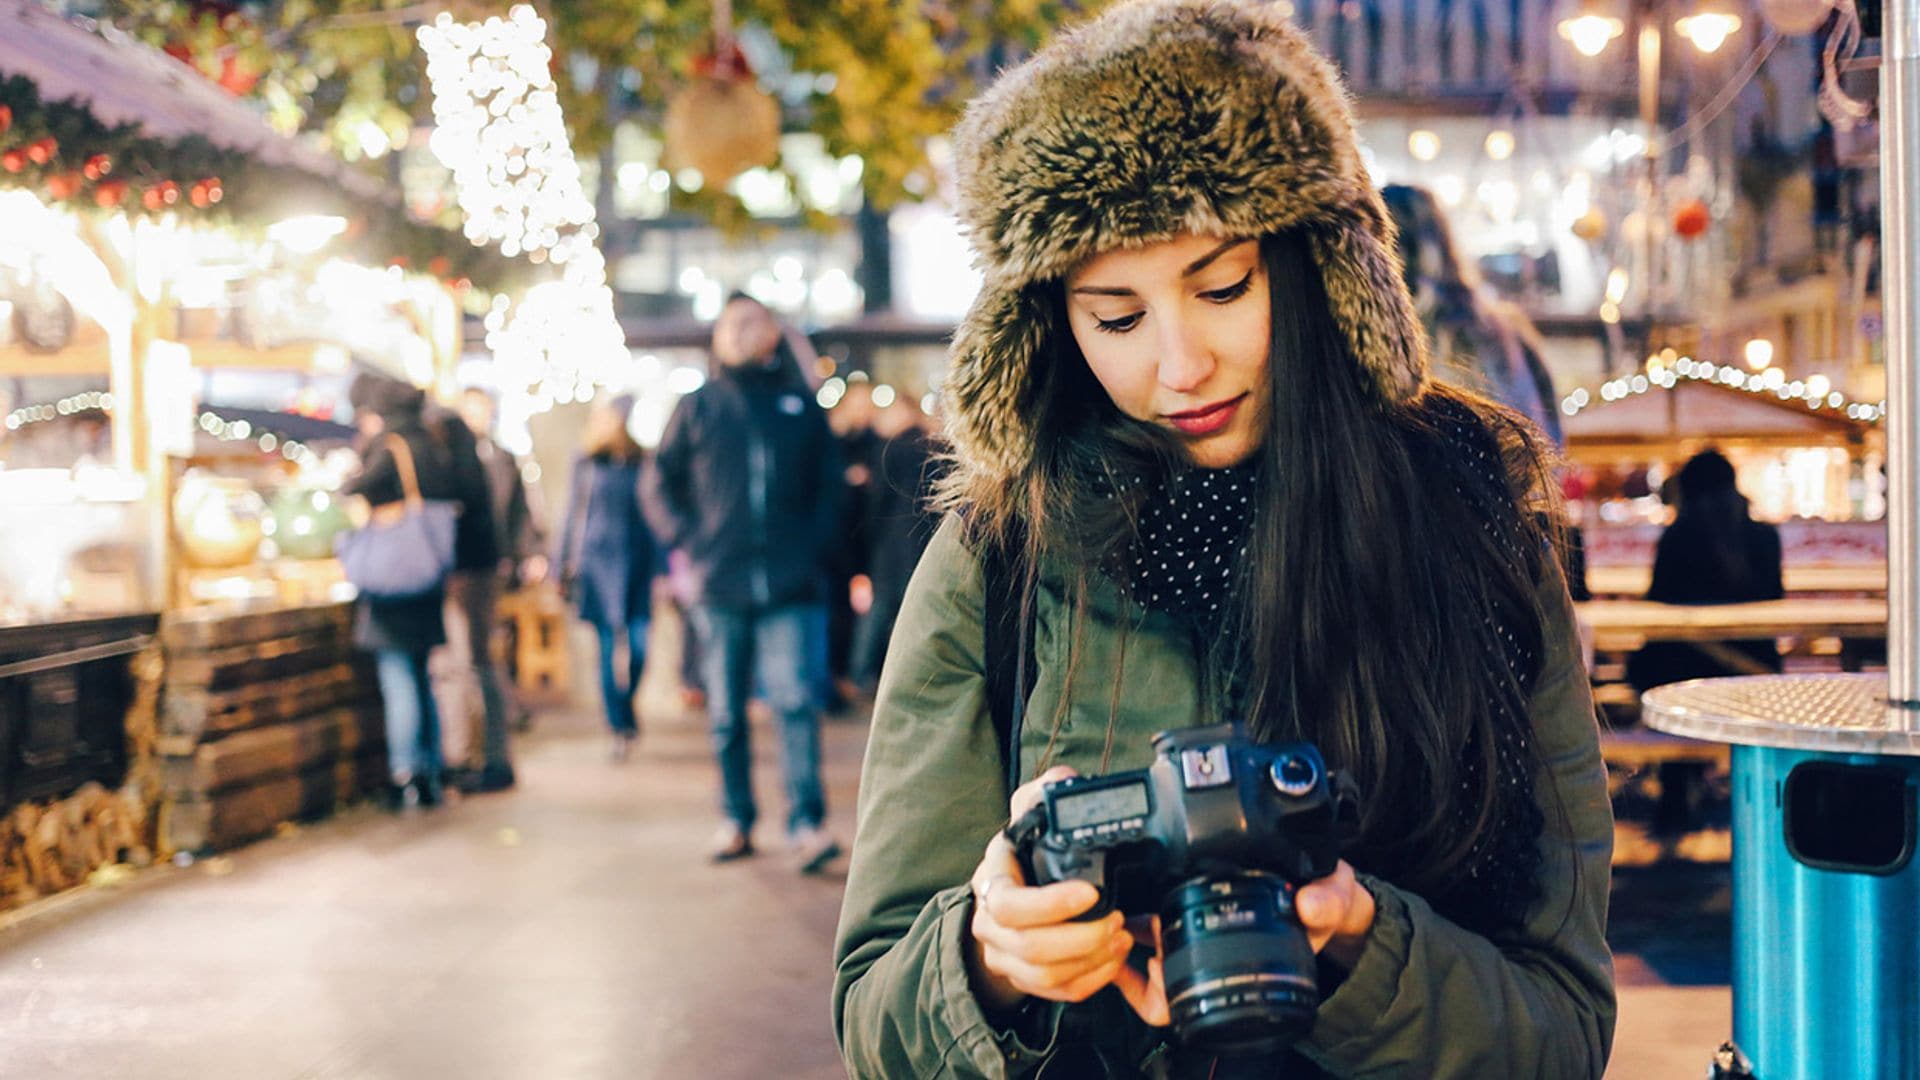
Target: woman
[
  {"x": 1478, "y": 343},
  {"x": 402, "y": 631},
  {"x": 607, "y": 559},
  {"x": 1194, "y": 382}
]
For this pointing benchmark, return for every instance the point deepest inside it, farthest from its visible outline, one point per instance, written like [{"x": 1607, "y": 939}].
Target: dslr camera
[{"x": 1214, "y": 837}]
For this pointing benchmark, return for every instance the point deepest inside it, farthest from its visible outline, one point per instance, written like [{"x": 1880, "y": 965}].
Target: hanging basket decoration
[
  {"x": 1690, "y": 219},
  {"x": 722, "y": 124}
]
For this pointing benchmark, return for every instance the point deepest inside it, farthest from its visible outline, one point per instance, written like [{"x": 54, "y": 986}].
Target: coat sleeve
[
  {"x": 666, "y": 497},
  {"x": 1429, "y": 998},
  {"x": 930, "y": 799}
]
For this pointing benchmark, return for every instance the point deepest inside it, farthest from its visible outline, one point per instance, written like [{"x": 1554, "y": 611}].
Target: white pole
[{"x": 1900, "y": 258}]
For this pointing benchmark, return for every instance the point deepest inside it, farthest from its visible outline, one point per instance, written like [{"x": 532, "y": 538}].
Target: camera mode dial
[{"x": 1295, "y": 775}]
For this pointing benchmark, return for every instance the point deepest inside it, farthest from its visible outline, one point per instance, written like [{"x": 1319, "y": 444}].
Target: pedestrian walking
[
  {"x": 607, "y": 561},
  {"x": 747, "y": 482},
  {"x": 900, "y": 521},
  {"x": 1198, "y": 457},
  {"x": 401, "y": 458}
]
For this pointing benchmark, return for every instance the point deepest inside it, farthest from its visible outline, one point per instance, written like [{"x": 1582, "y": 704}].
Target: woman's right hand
[{"x": 1025, "y": 943}]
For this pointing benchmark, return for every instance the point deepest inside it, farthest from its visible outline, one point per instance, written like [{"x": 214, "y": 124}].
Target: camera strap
[{"x": 1010, "y": 668}]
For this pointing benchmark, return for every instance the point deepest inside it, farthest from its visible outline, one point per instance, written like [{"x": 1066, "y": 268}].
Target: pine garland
[{"x": 69, "y": 156}]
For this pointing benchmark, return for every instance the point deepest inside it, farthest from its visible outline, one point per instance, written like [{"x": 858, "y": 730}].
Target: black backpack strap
[{"x": 1009, "y": 646}]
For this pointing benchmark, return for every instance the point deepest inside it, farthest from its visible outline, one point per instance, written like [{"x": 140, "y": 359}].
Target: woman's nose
[{"x": 1186, "y": 362}]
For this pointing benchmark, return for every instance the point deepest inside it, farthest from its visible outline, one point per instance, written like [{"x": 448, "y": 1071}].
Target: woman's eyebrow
[{"x": 1193, "y": 268}]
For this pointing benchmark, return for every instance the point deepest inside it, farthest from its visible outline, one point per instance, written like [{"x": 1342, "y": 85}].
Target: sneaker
[
  {"x": 622, "y": 746},
  {"x": 730, "y": 843},
  {"x": 813, "y": 849}
]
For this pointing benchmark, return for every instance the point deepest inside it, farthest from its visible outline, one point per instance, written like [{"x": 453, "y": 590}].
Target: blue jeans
[
  {"x": 773, "y": 648},
  {"x": 619, "y": 700},
  {"x": 413, "y": 724}
]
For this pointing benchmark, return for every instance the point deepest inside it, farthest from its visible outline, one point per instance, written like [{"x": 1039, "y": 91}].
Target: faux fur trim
[{"x": 1161, "y": 117}]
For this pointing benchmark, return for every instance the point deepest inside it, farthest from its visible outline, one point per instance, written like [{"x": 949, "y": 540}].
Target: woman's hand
[
  {"x": 1025, "y": 944},
  {"x": 1338, "y": 913}
]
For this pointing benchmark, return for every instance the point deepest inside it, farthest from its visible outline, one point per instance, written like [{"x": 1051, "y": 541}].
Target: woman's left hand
[{"x": 1338, "y": 913}]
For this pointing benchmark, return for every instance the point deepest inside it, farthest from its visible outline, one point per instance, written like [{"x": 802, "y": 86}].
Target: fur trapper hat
[{"x": 1160, "y": 117}]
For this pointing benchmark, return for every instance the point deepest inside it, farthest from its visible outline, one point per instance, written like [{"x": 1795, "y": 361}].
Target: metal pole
[{"x": 1900, "y": 298}]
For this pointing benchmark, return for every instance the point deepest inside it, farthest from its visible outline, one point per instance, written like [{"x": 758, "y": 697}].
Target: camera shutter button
[{"x": 1295, "y": 775}]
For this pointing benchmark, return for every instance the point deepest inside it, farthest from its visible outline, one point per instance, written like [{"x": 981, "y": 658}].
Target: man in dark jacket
[{"x": 747, "y": 484}]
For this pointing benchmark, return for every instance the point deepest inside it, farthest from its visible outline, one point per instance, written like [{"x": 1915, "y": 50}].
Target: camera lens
[
  {"x": 1295, "y": 775},
  {"x": 1240, "y": 972}
]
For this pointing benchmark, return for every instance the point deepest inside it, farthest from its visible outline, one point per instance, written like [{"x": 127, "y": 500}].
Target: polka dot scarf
[{"x": 1193, "y": 533}]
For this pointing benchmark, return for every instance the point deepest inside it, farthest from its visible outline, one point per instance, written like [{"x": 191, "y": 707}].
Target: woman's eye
[
  {"x": 1232, "y": 292},
  {"x": 1117, "y": 326}
]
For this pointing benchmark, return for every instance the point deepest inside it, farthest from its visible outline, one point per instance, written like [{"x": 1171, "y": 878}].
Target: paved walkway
[{"x": 568, "y": 929}]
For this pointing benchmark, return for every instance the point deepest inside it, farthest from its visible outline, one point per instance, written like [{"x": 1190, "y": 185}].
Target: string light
[
  {"x": 499, "y": 128},
  {"x": 92, "y": 401},
  {"x": 1815, "y": 391}
]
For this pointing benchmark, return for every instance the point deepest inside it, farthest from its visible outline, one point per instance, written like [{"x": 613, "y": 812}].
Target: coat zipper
[{"x": 757, "y": 500}]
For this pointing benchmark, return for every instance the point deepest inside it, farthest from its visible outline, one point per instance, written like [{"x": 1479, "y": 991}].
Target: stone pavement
[{"x": 571, "y": 928}]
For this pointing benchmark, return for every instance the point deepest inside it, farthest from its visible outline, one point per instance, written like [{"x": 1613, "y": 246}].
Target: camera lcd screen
[{"x": 1099, "y": 806}]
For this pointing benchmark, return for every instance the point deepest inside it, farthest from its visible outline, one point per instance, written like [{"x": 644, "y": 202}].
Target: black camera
[{"x": 1214, "y": 837}]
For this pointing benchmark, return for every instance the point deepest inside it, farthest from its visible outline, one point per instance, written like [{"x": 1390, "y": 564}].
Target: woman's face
[{"x": 1177, "y": 333}]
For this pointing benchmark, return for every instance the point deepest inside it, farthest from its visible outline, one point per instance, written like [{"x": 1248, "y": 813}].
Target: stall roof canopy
[
  {"x": 123, "y": 81},
  {"x": 1694, "y": 409}
]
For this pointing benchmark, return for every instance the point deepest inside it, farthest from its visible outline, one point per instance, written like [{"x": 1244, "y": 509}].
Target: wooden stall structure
[{"x": 267, "y": 716}]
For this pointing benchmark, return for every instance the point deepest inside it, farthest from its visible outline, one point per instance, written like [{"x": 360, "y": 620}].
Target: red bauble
[
  {"x": 41, "y": 151},
  {"x": 235, "y": 77},
  {"x": 97, "y": 166},
  {"x": 64, "y": 185},
  {"x": 439, "y": 266},
  {"x": 152, "y": 199},
  {"x": 215, "y": 192},
  {"x": 13, "y": 160},
  {"x": 197, "y": 195},
  {"x": 169, "y": 193},
  {"x": 6, "y": 118},
  {"x": 110, "y": 194},
  {"x": 1691, "y": 218}
]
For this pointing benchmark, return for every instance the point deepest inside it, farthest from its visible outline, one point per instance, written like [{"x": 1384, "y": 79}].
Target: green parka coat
[{"x": 1426, "y": 999}]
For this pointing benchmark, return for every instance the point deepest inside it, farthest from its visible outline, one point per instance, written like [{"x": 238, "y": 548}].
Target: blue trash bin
[{"x": 1826, "y": 888}]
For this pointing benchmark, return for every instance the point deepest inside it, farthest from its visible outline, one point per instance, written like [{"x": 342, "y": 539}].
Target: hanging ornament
[
  {"x": 1690, "y": 219},
  {"x": 13, "y": 160},
  {"x": 152, "y": 199},
  {"x": 197, "y": 195},
  {"x": 215, "y": 190},
  {"x": 1795, "y": 16},
  {"x": 97, "y": 166},
  {"x": 64, "y": 186},
  {"x": 169, "y": 193},
  {"x": 1591, "y": 225},
  {"x": 41, "y": 151},
  {"x": 722, "y": 124},
  {"x": 110, "y": 194},
  {"x": 6, "y": 118}
]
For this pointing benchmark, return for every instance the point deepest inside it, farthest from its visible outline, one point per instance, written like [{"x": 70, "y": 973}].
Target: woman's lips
[{"x": 1206, "y": 421}]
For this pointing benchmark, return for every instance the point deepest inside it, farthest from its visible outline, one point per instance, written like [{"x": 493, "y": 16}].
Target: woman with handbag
[
  {"x": 405, "y": 470},
  {"x": 607, "y": 559}
]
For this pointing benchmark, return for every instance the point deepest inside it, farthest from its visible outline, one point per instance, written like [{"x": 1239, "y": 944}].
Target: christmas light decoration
[
  {"x": 1814, "y": 391},
  {"x": 499, "y": 129}
]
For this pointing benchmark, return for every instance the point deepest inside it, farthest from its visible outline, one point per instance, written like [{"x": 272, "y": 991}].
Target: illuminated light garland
[
  {"x": 1815, "y": 391},
  {"x": 500, "y": 130},
  {"x": 268, "y": 442},
  {"x": 67, "y": 406}
]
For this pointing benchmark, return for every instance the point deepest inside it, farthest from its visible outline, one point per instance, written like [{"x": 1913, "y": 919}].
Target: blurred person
[
  {"x": 900, "y": 521},
  {"x": 472, "y": 597},
  {"x": 748, "y": 482},
  {"x": 607, "y": 559},
  {"x": 401, "y": 632},
  {"x": 1479, "y": 342},
  {"x": 849, "y": 554}
]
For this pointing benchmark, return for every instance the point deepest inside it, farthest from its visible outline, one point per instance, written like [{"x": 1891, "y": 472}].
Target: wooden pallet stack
[{"x": 266, "y": 717}]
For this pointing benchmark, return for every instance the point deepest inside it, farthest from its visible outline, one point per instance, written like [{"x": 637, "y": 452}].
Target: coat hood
[{"x": 1159, "y": 118}]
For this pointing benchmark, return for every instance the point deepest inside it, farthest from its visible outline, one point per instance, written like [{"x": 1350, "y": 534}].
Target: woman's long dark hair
[{"x": 1383, "y": 571}]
